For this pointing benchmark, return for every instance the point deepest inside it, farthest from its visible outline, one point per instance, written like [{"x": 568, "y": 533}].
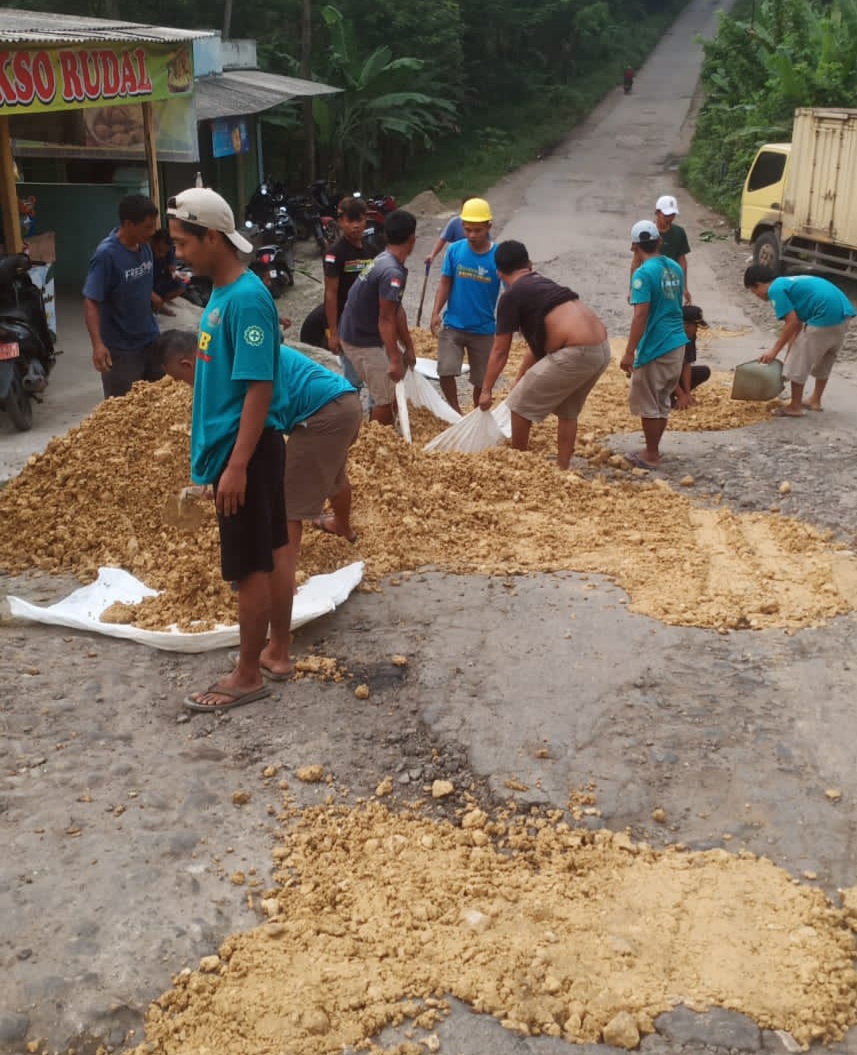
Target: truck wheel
[
  {"x": 766, "y": 251},
  {"x": 19, "y": 406}
]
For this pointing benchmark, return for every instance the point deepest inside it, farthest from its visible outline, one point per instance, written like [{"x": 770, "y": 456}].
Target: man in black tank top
[{"x": 568, "y": 350}]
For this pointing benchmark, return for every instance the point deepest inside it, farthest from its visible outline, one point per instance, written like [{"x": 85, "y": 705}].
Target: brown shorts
[
  {"x": 371, "y": 366},
  {"x": 317, "y": 454},
  {"x": 559, "y": 383},
  {"x": 451, "y": 346},
  {"x": 813, "y": 352},
  {"x": 653, "y": 384}
]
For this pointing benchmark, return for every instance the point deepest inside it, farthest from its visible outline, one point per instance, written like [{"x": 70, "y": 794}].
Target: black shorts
[{"x": 249, "y": 537}]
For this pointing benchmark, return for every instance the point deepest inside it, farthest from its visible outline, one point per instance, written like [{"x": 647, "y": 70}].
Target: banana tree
[{"x": 378, "y": 108}]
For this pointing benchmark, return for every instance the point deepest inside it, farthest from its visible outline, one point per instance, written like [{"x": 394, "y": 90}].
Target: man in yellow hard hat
[{"x": 468, "y": 289}]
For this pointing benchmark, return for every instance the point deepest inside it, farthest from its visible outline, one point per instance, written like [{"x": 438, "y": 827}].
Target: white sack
[
  {"x": 503, "y": 416},
  {"x": 82, "y": 609},
  {"x": 422, "y": 394},
  {"x": 402, "y": 407},
  {"x": 428, "y": 368},
  {"x": 477, "y": 431}
]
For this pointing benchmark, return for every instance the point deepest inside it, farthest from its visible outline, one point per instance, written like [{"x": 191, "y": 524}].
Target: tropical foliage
[
  {"x": 479, "y": 83},
  {"x": 780, "y": 55}
]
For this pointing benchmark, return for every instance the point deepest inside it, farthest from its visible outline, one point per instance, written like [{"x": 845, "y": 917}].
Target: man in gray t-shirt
[{"x": 374, "y": 326}]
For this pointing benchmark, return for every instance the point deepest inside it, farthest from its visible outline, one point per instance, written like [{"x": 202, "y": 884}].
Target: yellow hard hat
[{"x": 476, "y": 210}]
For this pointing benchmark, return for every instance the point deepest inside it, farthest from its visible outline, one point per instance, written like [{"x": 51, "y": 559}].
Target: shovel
[
  {"x": 423, "y": 296},
  {"x": 187, "y": 510}
]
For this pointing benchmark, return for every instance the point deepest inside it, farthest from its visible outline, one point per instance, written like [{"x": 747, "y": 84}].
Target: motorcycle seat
[{"x": 11, "y": 266}]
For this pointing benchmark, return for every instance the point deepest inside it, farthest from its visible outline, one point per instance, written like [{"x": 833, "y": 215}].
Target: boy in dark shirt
[
  {"x": 349, "y": 256},
  {"x": 692, "y": 374}
]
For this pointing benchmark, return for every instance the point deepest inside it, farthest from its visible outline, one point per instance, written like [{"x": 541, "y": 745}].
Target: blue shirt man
[
  {"x": 659, "y": 282},
  {"x": 654, "y": 354},
  {"x": 469, "y": 287},
  {"x": 816, "y": 315},
  {"x": 118, "y": 299},
  {"x": 304, "y": 387}
]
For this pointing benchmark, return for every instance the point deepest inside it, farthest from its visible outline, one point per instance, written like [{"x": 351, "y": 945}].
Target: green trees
[{"x": 757, "y": 71}]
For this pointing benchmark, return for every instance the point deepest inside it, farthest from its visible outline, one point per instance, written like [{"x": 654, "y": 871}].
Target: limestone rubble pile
[
  {"x": 379, "y": 917},
  {"x": 97, "y": 497}
]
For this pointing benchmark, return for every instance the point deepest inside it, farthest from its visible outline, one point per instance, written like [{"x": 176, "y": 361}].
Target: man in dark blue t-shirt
[{"x": 118, "y": 299}]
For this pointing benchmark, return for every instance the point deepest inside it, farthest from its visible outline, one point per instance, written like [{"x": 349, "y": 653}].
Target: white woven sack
[
  {"x": 503, "y": 416},
  {"x": 422, "y": 394},
  {"x": 476, "y": 431},
  {"x": 402, "y": 407}
]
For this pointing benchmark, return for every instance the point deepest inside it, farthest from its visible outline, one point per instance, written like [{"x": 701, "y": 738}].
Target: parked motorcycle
[
  {"x": 275, "y": 248},
  {"x": 377, "y": 210},
  {"x": 27, "y": 351},
  {"x": 308, "y": 220},
  {"x": 197, "y": 288},
  {"x": 326, "y": 200}
]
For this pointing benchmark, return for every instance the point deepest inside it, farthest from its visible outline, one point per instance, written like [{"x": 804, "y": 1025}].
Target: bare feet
[
  {"x": 327, "y": 523},
  {"x": 275, "y": 666}
]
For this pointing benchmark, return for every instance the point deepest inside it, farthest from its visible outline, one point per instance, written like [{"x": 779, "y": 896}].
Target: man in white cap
[
  {"x": 654, "y": 354},
  {"x": 236, "y": 445},
  {"x": 674, "y": 243}
]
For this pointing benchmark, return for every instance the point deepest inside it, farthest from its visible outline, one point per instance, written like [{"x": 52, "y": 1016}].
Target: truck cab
[{"x": 762, "y": 203}]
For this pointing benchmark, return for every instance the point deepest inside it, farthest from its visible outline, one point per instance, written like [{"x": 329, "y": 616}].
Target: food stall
[{"x": 90, "y": 92}]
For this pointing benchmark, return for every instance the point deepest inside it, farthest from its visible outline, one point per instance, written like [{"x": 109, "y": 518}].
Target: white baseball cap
[
  {"x": 205, "y": 207},
  {"x": 644, "y": 231},
  {"x": 667, "y": 205}
]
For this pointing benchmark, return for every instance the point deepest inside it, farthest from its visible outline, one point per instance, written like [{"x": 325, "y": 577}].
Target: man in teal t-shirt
[
  {"x": 235, "y": 444},
  {"x": 321, "y": 414},
  {"x": 654, "y": 354},
  {"x": 468, "y": 288},
  {"x": 816, "y": 315}
]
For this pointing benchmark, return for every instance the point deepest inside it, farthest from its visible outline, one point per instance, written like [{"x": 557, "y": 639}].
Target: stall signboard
[
  {"x": 229, "y": 135},
  {"x": 38, "y": 79}
]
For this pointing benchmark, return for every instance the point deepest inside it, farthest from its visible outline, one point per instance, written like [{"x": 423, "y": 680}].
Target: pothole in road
[{"x": 554, "y": 931}]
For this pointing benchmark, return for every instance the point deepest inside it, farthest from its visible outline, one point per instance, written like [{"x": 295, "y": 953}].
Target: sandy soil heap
[
  {"x": 554, "y": 931},
  {"x": 97, "y": 496}
]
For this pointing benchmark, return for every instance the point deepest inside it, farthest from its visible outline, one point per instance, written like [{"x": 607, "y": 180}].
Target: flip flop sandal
[
  {"x": 638, "y": 462},
  {"x": 235, "y": 699},
  {"x": 779, "y": 412},
  {"x": 271, "y": 675}
]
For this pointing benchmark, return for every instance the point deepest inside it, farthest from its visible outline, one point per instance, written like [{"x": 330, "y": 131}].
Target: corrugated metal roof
[
  {"x": 42, "y": 27},
  {"x": 239, "y": 92}
]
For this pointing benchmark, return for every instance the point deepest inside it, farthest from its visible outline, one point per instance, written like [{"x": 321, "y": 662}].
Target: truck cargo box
[{"x": 821, "y": 189}]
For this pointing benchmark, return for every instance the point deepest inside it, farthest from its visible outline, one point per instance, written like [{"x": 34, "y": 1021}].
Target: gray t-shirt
[{"x": 384, "y": 280}]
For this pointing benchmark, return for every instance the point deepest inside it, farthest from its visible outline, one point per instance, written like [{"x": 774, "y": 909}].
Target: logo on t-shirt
[
  {"x": 637, "y": 283},
  {"x": 214, "y": 317},
  {"x": 254, "y": 335},
  {"x": 396, "y": 283}
]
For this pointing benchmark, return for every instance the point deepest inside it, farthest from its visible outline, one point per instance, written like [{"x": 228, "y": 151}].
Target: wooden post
[
  {"x": 12, "y": 239},
  {"x": 151, "y": 154}
]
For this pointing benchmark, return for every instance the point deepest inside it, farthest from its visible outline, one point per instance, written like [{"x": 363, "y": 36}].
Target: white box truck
[{"x": 799, "y": 205}]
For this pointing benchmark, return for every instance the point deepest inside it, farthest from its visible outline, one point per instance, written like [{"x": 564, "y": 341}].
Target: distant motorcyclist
[{"x": 628, "y": 79}]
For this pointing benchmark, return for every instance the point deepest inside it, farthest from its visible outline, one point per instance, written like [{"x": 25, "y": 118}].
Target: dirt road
[{"x": 121, "y": 833}]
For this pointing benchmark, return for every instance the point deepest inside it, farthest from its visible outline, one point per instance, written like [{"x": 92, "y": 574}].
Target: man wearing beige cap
[{"x": 236, "y": 444}]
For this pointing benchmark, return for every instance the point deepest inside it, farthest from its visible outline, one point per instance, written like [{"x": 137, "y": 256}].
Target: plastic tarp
[
  {"x": 475, "y": 432},
  {"x": 82, "y": 609}
]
